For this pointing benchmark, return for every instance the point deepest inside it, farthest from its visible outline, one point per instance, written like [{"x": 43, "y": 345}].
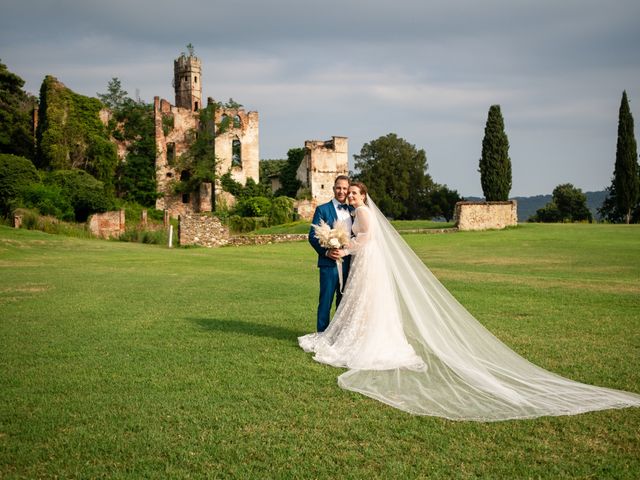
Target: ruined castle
[
  {"x": 236, "y": 141},
  {"x": 236, "y": 146}
]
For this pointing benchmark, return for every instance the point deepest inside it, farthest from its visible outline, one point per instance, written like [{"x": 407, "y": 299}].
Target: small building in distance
[{"x": 236, "y": 141}]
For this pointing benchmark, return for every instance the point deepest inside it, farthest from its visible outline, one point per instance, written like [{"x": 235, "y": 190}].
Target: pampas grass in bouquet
[{"x": 336, "y": 237}]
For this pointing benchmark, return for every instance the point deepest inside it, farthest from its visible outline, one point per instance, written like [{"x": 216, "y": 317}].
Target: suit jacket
[{"x": 326, "y": 212}]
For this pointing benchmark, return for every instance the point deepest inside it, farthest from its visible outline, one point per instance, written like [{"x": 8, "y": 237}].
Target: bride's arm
[{"x": 363, "y": 221}]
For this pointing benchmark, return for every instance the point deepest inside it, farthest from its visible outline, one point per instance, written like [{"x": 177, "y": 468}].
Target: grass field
[{"x": 123, "y": 360}]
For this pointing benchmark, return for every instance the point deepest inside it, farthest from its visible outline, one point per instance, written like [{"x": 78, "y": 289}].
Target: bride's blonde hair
[{"x": 363, "y": 189}]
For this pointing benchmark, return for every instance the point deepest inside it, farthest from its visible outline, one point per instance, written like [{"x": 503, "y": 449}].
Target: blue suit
[{"x": 329, "y": 284}]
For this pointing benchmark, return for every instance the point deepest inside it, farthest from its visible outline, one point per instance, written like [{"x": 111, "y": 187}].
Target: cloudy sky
[{"x": 426, "y": 70}]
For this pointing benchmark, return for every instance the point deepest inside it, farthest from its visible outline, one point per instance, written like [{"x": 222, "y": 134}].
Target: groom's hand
[{"x": 333, "y": 254}]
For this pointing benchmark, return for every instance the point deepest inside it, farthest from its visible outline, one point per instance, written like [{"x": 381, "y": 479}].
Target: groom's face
[{"x": 340, "y": 190}]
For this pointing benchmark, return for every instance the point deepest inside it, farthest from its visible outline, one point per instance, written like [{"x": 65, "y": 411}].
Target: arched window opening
[
  {"x": 186, "y": 198},
  {"x": 195, "y": 79},
  {"x": 236, "y": 153},
  {"x": 196, "y": 107},
  {"x": 236, "y": 121}
]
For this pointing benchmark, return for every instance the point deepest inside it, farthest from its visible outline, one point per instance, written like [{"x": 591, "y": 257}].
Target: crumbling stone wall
[
  {"x": 107, "y": 225},
  {"x": 242, "y": 127},
  {"x": 178, "y": 124},
  {"x": 305, "y": 208},
  {"x": 204, "y": 230},
  {"x": 207, "y": 231},
  {"x": 176, "y": 128},
  {"x": 240, "y": 240},
  {"x": 322, "y": 163},
  {"x": 486, "y": 215}
]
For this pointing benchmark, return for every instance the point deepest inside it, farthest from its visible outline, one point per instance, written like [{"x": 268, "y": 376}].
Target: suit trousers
[{"x": 330, "y": 287}]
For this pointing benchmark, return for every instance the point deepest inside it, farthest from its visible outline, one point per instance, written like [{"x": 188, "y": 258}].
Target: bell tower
[{"x": 187, "y": 82}]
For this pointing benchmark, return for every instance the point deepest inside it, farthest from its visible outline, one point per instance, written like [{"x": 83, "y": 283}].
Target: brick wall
[{"x": 107, "y": 225}]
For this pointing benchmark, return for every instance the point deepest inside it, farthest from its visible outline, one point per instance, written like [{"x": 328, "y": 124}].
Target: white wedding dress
[
  {"x": 366, "y": 331},
  {"x": 408, "y": 342}
]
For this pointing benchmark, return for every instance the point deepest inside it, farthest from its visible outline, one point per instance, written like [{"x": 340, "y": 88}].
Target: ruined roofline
[{"x": 334, "y": 143}]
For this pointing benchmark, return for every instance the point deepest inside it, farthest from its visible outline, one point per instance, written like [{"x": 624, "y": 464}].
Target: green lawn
[{"x": 123, "y": 360}]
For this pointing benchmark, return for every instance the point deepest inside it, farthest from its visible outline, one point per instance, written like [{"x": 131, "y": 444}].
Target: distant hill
[{"x": 527, "y": 206}]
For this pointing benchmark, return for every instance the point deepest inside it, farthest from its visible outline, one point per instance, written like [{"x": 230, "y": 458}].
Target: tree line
[{"x": 71, "y": 169}]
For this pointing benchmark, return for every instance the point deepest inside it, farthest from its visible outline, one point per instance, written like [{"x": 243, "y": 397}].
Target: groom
[{"x": 330, "y": 212}]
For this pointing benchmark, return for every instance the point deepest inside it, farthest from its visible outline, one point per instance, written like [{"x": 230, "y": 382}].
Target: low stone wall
[
  {"x": 266, "y": 239},
  {"x": 107, "y": 224},
  {"x": 208, "y": 231},
  {"x": 486, "y": 215},
  {"x": 203, "y": 230}
]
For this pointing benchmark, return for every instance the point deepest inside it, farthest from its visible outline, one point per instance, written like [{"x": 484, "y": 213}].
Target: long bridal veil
[{"x": 470, "y": 374}]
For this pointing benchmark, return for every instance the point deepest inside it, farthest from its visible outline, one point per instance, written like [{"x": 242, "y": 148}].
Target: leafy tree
[
  {"x": 116, "y": 96},
  {"x": 132, "y": 122},
  {"x": 288, "y": 180},
  {"x": 270, "y": 167},
  {"x": 624, "y": 192},
  {"x": 253, "y": 207},
  {"x": 550, "y": 213},
  {"x": 395, "y": 173},
  {"x": 281, "y": 211},
  {"x": 495, "y": 164},
  {"x": 253, "y": 189},
  {"x": 568, "y": 204},
  {"x": 137, "y": 174},
  {"x": 48, "y": 200},
  {"x": 71, "y": 135},
  {"x": 16, "y": 175},
  {"x": 86, "y": 194},
  {"x": 250, "y": 189},
  {"x": 200, "y": 159},
  {"x": 441, "y": 202},
  {"x": 16, "y": 110}
]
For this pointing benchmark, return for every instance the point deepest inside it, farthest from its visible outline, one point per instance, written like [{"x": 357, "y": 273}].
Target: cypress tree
[
  {"x": 495, "y": 164},
  {"x": 626, "y": 182}
]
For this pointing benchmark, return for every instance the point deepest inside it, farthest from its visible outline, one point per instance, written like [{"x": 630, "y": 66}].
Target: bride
[{"x": 407, "y": 341}]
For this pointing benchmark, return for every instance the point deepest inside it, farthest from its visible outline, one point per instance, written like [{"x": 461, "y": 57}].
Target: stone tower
[
  {"x": 236, "y": 142},
  {"x": 187, "y": 82},
  {"x": 322, "y": 163}
]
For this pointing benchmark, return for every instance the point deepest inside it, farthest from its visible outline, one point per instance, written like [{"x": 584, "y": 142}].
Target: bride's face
[{"x": 356, "y": 198}]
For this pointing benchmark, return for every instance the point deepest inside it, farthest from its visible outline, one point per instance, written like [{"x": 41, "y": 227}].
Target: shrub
[
  {"x": 31, "y": 220},
  {"x": 238, "y": 224},
  {"x": 86, "y": 194},
  {"x": 253, "y": 207},
  {"x": 281, "y": 211},
  {"x": 48, "y": 200},
  {"x": 16, "y": 174},
  {"x": 155, "y": 237}
]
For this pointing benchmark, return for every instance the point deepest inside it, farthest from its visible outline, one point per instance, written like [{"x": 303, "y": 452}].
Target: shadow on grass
[{"x": 248, "y": 328}]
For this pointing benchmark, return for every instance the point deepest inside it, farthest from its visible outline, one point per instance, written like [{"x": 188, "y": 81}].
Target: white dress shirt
[{"x": 344, "y": 215}]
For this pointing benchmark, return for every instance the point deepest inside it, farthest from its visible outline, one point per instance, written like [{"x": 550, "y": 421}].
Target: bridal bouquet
[{"x": 336, "y": 237}]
